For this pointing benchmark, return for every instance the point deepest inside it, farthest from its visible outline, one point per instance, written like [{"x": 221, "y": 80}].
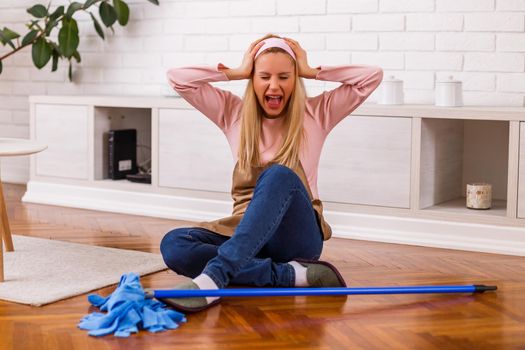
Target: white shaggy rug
[{"x": 41, "y": 271}]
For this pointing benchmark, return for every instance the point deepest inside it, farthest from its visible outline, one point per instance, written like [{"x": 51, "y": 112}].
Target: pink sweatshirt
[{"x": 322, "y": 112}]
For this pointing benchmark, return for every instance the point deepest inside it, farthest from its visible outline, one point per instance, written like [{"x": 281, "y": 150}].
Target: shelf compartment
[
  {"x": 457, "y": 152},
  {"x": 116, "y": 118}
]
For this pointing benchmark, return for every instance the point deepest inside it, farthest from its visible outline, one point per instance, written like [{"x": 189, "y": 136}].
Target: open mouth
[{"x": 273, "y": 101}]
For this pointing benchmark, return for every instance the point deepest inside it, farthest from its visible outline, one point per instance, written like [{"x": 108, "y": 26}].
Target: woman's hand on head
[
  {"x": 245, "y": 69},
  {"x": 305, "y": 70}
]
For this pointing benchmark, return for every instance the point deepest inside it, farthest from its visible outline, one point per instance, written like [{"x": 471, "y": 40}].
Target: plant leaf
[
  {"x": 76, "y": 55},
  {"x": 4, "y": 39},
  {"x": 68, "y": 39},
  {"x": 55, "y": 47},
  {"x": 0, "y": 67},
  {"x": 70, "y": 71},
  {"x": 49, "y": 26},
  {"x": 98, "y": 27},
  {"x": 156, "y": 2},
  {"x": 10, "y": 43},
  {"x": 39, "y": 11},
  {"x": 107, "y": 14},
  {"x": 89, "y": 3},
  {"x": 32, "y": 24},
  {"x": 56, "y": 56},
  {"x": 58, "y": 12},
  {"x": 9, "y": 34},
  {"x": 29, "y": 37},
  {"x": 41, "y": 53},
  {"x": 122, "y": 10},
  {"x": 73, "y": 7}
]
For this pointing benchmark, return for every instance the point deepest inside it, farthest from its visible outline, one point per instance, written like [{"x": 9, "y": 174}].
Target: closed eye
[{"x": 265, "y": 77}]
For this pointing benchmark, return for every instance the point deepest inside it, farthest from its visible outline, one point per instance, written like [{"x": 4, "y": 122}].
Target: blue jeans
[{"x": 279, "y": 225}]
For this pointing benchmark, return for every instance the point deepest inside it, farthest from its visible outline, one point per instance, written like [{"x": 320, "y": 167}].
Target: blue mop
[
  {"x": 276, "y": 292},
  {"x": 130, "y": 307},
  {"x": 128, "y": 310}
]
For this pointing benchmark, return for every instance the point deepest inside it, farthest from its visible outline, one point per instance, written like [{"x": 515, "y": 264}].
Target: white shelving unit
[{"x": 387, "y": 173}]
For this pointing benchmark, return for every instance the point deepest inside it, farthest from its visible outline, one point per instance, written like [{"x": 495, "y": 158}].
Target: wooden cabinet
[
  {"x": 64, "y": 128},
  {"x": 193, "y": 152},
  {"x": 366, "y": 160}
]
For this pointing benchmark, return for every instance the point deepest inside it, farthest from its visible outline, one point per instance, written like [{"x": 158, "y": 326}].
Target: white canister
[
  {"x": 391, "y": 92},
  {"x": 449, "y": 93},
  {"x": 479, "y": 195}
]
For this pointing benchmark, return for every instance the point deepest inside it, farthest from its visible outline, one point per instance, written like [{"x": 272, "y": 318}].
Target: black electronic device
[
  {"x": 141, "y": 178},
  {"x": 122, "y": 153}
]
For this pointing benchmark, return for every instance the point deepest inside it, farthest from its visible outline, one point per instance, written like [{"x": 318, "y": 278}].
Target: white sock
[
  {"x": 205, "y": 282},
  {"x": 300, "y": 274}
]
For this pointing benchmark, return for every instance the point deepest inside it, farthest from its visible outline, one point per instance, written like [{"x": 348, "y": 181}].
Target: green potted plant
[{"x": 45, "y": 21}]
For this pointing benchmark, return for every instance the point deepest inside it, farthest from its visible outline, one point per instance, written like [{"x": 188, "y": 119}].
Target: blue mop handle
[{"x": 274, "y": 292}]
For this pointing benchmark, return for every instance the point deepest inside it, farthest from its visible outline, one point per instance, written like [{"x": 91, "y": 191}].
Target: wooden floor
[{"x": 460, "y": 321}]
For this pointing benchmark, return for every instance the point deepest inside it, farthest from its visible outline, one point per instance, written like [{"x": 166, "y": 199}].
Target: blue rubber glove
[{"x": 128, "y": 311}]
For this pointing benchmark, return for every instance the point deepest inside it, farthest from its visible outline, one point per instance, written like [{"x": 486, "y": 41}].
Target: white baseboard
[
  {"x": 382, "y": 228},
  {"x": 126, "y": 202},
  {"x": 429, "y": 233}
]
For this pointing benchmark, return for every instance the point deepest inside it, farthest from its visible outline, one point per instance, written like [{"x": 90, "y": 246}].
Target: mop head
[{"x": 128, "y": 310}]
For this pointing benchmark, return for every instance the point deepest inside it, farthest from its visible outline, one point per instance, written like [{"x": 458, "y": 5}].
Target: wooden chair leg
[
  {"x": 1, "y": 258},
  {"x": 6, "y": 231}
]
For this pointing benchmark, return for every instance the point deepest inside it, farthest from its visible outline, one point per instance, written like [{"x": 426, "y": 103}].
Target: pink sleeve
[
  {"x": 358, "y": 82},
  {"x": 192, "y": 83}
]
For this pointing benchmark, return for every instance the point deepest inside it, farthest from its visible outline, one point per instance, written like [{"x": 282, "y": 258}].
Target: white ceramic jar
[
  {"x": 479, "y": 195},
  {"x": 391, "y": 92},
  {"x": 449, "y": 93}
]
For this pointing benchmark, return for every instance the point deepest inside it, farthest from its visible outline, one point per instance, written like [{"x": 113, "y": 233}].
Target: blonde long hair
[{"x": 251, "y": 124}]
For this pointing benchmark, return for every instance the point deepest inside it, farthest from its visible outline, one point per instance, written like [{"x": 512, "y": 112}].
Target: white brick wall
[
  {"x": 356, "y": 6},
  {"x": 300, "y": 7},
  {"x": 403, "y": 41},
  {"x": 511, "y": 5},
  {"x": 435, "y": 22},
  {"x": 407, "y": 6},
  {"x": 481, "y": 42},
  {"x": 457, "y": 41},
  {"x": 495, "y": 22},
  {"x": 465, "y": 5},
  {"x": 380, "y": 22},
  {"x": 325, "y": 23}
]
